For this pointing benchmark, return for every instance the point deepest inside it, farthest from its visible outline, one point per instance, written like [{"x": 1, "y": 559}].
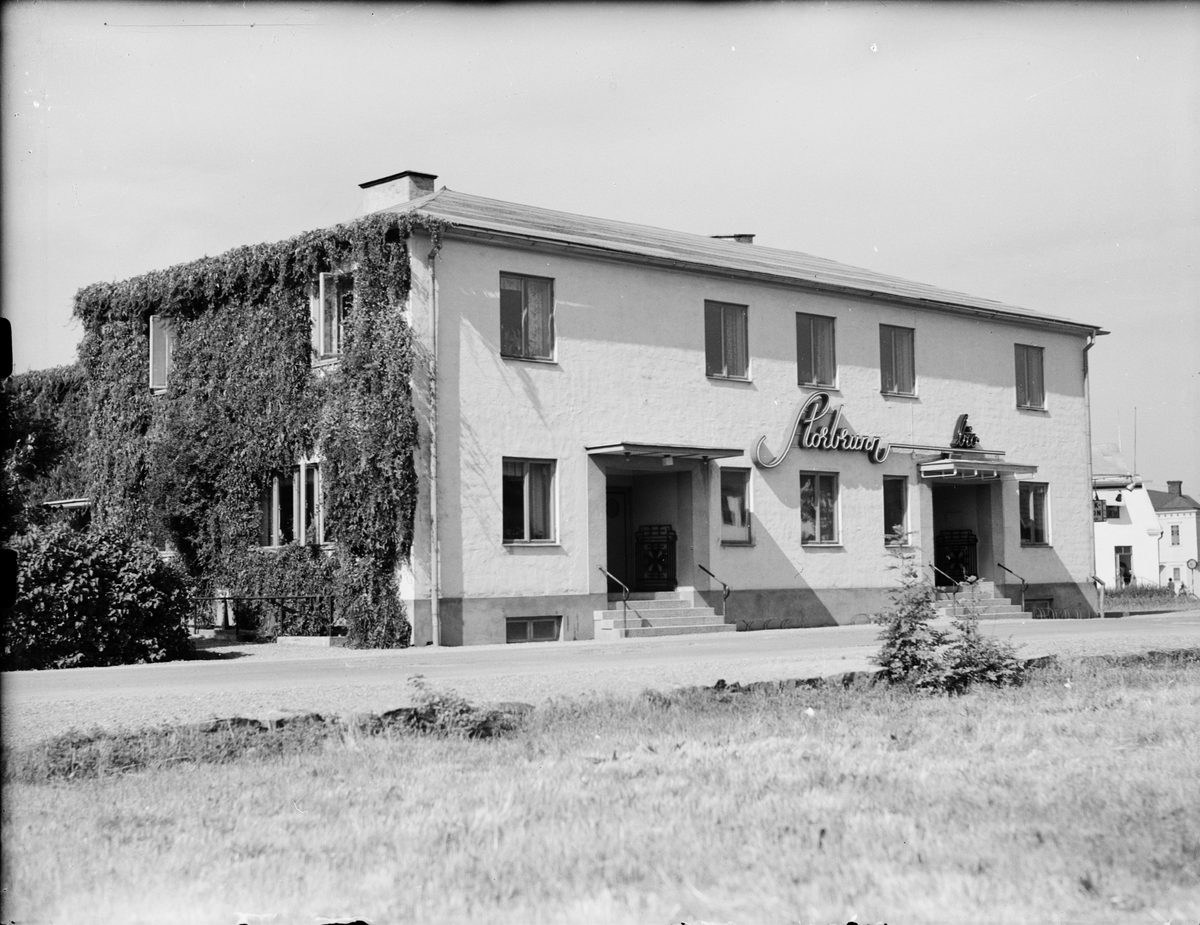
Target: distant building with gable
[{"x": 1179, "y": 517}]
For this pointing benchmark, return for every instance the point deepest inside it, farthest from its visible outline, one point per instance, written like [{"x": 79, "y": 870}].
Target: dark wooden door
[{"x": 619, "y": 529}]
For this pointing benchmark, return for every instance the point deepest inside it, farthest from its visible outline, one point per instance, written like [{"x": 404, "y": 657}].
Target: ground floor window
[
  {"x": 895, "y": 510},
  {"x": 292, "y": 507},
  {"x": 818, "y": 507},
  {"x": 533, "y": 629},
  {"x": 735, "y": 506},
  {"x": 1034, "y": 528},
  {"x": 528, "y": 499}
]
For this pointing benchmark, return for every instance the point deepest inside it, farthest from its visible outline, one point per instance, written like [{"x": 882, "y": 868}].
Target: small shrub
[
  {"x": 919, "y": 656},
  {"x": 972, "y": 658},
  {"x": 94, "y": 598},
  {"x": 909, "y": 652},
  {"x": 447, "y": 713}
]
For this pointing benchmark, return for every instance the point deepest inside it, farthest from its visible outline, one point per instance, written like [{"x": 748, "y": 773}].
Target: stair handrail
[
  {"x": 954, "y": 581},
  {"x": 724, "y": 595},
  {"x": 624, "y": 599},
  {"x": 1024, "y": 583}
]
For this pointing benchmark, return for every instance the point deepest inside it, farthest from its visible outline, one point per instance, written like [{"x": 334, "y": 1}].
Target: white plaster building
[
  {"x": 666, "y": 407},
  {"x": 1179, "y": 545},
  {"x": 1127, "y": 528}
]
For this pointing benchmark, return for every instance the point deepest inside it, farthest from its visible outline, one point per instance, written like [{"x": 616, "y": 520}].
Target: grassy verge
[{"x": 1073, "y": 798}]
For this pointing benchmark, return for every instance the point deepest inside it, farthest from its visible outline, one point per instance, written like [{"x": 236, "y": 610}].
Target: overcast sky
[{"x": 1047, "y": 156}]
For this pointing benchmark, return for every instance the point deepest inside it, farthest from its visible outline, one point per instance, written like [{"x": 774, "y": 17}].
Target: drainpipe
[
  {"x": 435, "y": 559},
  {"x": 1087, "y": 397}
]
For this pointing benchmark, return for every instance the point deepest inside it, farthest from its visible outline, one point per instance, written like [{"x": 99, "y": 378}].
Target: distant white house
[
  {"x": 1126, "y": 527},
  {"x": 1179, "y": 517}
]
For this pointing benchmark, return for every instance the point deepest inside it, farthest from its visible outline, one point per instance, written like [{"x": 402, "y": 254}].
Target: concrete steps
[
  {"x": 981, "y": 599},
  {"x": 657, "y": 613}
]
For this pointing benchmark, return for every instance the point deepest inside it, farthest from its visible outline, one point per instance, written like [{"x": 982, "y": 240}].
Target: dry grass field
[{"x": 1075, "y": 798}]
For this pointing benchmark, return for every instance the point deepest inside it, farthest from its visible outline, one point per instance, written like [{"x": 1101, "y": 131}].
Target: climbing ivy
[
  {"x": 43, "y": 428},
  {"x": 189, "y": 466}
]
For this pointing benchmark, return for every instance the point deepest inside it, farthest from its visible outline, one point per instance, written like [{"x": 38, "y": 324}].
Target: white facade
[
  {"x": 630, "y": 428},
  {"x": 1179, "y": 544},
  {"x": 1126, "y": 527}
]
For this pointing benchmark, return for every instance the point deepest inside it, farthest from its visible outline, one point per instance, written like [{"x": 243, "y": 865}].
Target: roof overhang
[
  {"x": 664, "y": 451},
  {"x": 1125, "y": 482},
  {"x": 972, "y": 470}
]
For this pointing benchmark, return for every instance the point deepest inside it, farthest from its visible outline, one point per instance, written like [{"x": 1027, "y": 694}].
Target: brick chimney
[
  {"x": 1175, "y": 488},
  {"x": 395, "y": 190}
]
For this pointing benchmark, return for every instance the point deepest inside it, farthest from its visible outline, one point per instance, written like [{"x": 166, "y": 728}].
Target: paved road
[{"x": 251, "y": 680}]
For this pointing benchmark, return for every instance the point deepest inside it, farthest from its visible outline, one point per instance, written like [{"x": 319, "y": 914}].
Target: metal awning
[
  {"x": 68, "y": 503},
  {"x": 664, "y": 451},
  {"x": 972, "y": 470}
]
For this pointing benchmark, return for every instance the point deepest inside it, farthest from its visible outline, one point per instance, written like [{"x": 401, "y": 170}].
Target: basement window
[{"x": 533, "y": 629}]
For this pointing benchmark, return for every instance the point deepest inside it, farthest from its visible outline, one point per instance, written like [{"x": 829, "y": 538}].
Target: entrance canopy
[
  {"x": 972, "y": 470},
  {"x": 664, "y": 451}
]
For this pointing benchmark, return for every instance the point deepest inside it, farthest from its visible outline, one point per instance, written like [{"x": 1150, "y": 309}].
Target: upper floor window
[
  {"x": 895, "y": 510},
  {"x": 335, "y": 301},
  {"x": 727, "y": 355},
  {"x": 528, "y": 499},
  {"x": 526, "y": 317},
  {"x": 735, "y": 505},
  {"x": 291, "y": 507},
  {"x": 162, "y": 351},
  {"x": 818, "y": 507},
  {"x": 1034, "y": 522},
  {"x": 1031, "y": 387},
  {"x": 1174, "y": 534},
  {"x": 816, "y": 363},
  {"x": 897, "y": 365}
]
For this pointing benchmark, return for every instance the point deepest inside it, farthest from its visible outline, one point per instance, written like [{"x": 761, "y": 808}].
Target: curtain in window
[
  {"x": 514, "y": 500},
  {"x": 1031, "y": 391},
  {"x": 538, "y": 319},
  {"x": 826, "y": 507},
  {"x": 823, "y": 351},
  {"x": 814, "y": 349},
  {"x": 1037, "y": 391},
  {"x": 512, "y": 301},
  {"x": 894, "y": 509},
  {"x": 736, "y": 352},
  {"x": 162, "y": 346},
  {"x": 808, "y": 509},
  {"x": 714, "y": 360},
  {"x": 905, "y": 377},
  {"x": 539, "y": 501}
]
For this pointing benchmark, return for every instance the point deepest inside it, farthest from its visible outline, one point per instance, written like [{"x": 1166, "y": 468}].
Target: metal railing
[
  {"x": 725, "y": 593},
  {"x": 953, "y": 581},
  {"x": 1024, "y": 583},
  {"x": 1099, "y": 582},
  {"x": 624, "y": 598},
  {"x": 273, "y": 614}
]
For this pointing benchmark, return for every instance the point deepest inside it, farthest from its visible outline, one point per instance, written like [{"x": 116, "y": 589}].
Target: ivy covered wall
[{"x": 243, "y": 400}]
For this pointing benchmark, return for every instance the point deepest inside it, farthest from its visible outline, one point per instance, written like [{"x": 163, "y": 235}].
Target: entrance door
[
  {"x": 619, "y": 528},
  {"x": 1123, "y": 556}
]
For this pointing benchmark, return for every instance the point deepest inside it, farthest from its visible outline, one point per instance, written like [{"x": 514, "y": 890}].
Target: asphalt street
[{"x": 255, "y": 679}]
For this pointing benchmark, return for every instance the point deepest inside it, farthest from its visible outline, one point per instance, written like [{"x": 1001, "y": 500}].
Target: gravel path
[{"x": 255, "y": 680}]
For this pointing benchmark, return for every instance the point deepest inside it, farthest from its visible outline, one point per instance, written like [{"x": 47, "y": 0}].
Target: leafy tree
[{"x": 93, "y": 598}]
